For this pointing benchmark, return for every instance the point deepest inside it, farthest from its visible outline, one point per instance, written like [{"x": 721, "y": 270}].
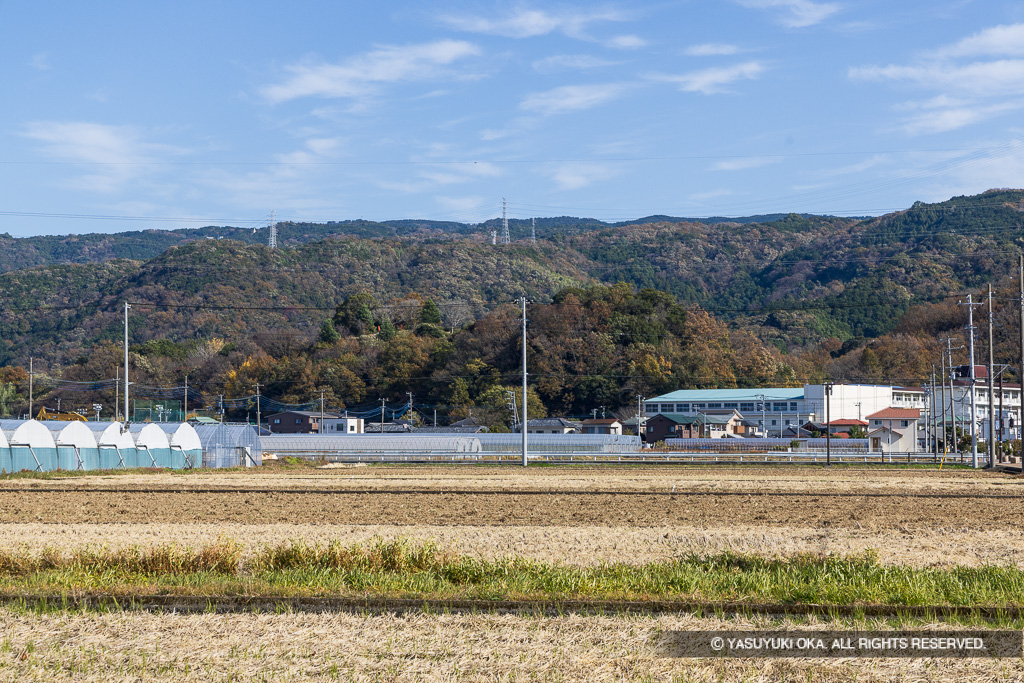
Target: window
[
  {"x": 746, "y": 407},
  {"x": 666, "y": 407},
  {"x": 774, "y": 422},
  {"x": 714, "y": 405},
  {"x": 731, "y": 405},
  {"x": 277, "y": 420},
  {"x": 792, "y": 406},
  {"x": 298, "y": 420},
  {"x": 779, "y": 406},
  {"x": 906, "y": 423},
  {"x": 682, "y": 407},
  {"x": 351, "y": 428},
  {"x": 877, "y": 423}
]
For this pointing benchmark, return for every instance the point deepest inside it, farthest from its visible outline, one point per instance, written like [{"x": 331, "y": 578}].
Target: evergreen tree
[
  {"x": 430, "y": 313},
  {"x": 387, "y": 330},
  {"x": 328, "y": 335}
]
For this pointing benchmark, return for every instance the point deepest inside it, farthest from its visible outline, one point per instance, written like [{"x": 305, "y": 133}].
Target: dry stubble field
[{"x": 574, "y": 515}]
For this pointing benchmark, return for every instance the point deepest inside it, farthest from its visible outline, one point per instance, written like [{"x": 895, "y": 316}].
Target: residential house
[
  {"x": 296, "y": 422},
  {"x": 893, "y": 430},
  {"x": 668, "y": 426},
  {"x": 338, "y": 426},
  {"x": 602, "y": 426},
  {"x": 552, "y": 425}
]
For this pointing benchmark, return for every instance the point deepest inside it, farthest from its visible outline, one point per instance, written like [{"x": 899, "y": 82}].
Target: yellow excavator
[{"x": 45, "y": 414}]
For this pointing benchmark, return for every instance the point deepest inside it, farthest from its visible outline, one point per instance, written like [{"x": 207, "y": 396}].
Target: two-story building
[{"x": 297, "y": 422}]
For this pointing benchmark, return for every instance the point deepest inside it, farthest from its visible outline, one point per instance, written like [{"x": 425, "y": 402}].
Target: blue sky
[{"x": 166, "y": 115}]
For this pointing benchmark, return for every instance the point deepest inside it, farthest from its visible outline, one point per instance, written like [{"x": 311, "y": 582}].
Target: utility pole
[
  {"x": 764, "y": 428},
  {"x": 952, "y": 403},
  {"x": 828, "y": 420},
  {"x": 1020, "y": 421},
  {"x": 991, "y": 437},
  {"x": 320, "y": 427},
  {"x": 184, "y": 415},
  {"x": 258, "y": 408},
  {"x": 31, "y": 378},
  {"x": 126, "y": 382},
  {"x": 526, "y": 458},
  {"x": 974, "y": 423},
  {"x": 220, "y": 404},
  {"x": 117, "y": 394},
  {"x": 639, "y": 413},
  {"x": 382, "y": 403}
]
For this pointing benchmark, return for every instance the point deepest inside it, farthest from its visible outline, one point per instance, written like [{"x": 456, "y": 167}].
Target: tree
[
  {"x": 459, "y": 401},
  {"x": 387, "y": 330},
  {"x": 328, "y": 334},
  {"x": 430, "y": 313}
]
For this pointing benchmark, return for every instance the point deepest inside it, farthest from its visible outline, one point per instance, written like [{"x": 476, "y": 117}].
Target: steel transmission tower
[
  {"x": 533, "y": 231},
  {"x": 272, "y": 239},
  {"x": 505, "y": 237}
]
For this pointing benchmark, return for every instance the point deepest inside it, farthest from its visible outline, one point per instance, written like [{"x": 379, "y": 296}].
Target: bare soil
[{"x": 766, "y": 507}]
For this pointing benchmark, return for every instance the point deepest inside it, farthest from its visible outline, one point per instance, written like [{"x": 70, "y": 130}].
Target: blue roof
[{"x": 704, "y": 395}]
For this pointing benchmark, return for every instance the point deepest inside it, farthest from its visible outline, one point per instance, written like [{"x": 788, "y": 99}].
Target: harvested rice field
[{"x": 935, "y": 523}]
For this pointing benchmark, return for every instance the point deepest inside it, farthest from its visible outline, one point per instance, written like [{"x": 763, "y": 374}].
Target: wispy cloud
[
  {"x": 796, "y": 13},
  {"x": 557, "y": 63},
  {"x": 579, "y": 175},
  {"x": 114, "y": 155},
  {"x": 744, "y": 163},
  {"x": 711, "y": 50},
  {"x": 998, "y": 41},
  {"x": 714, "y": 80},
  {"x": 967, "y": 88},
  {"x": 40, "y": 61},
  {"x": 528, "y": 23},
  {"x": 573, "y": 98},
  {"x": 626, "y": 42},
  {"x": 359, "y": 76}
]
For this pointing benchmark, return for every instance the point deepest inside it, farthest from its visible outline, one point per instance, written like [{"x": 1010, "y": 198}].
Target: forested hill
[
  {"x": 44, "y": 250},
  {"x": 793, "y": 282}
]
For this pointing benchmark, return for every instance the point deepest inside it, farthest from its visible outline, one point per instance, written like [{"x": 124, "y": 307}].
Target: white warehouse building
[{"x": 780, "y": 407}]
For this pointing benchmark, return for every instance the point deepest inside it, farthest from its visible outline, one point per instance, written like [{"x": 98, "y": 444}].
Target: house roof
[
  {"x": 703, "y": 395},
  {"x": 450, "y": 430},
  {"x": 304, "y": 413},
  {"x": 896, "y": 414},
  {"x": 848, "y": 423},
  {"x": 467, "y": 422},
  {"x": 552, "y": 422},
  {"x": 677, "y": 418},
  {"x": 602, "y": 422}
]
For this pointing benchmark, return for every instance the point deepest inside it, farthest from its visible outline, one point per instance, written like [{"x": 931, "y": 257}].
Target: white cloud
[
  {"x": 797, "y": 13},
  {"x": 744, "y": 163},
  {"x": 711, "y": 50},
  {"x": 573, "y": 98},
  {"x": 979, "y": 78},
  {"x": 41, "y": 61},
  {"x": 576, "y": 176},
  {"x": 715, "y": 80},
  {"x": 953, "y": 118},
  {"x": 358, "y": 76},
  {"x": 626, "y": 42},
  {"x": 998, "y": 41},
  {"x": 569, "y": 62},
  {"x": 527, "y": 23},
  {"x": 114, "y": 154},
  {"x": 966, "y": 92}
]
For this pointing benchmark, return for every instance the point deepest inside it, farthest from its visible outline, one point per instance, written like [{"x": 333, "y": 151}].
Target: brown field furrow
[
  {"x": 556, "y": 509},
  {"x": 295, "y": 647}
]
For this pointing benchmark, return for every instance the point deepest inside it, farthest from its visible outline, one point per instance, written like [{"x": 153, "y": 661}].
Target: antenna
[
  {"x": 533, "y": 231},
  {"x": 272, "y": 239},
  {"x": 505, "y": 238}
]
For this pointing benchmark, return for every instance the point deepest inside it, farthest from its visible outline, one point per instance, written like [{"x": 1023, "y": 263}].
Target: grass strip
[{"x": 403, "y": 569}]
